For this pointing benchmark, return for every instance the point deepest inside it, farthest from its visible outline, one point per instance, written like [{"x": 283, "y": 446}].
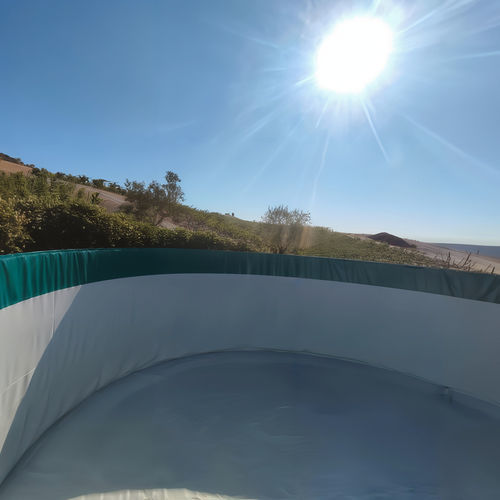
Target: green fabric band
[{"x": 27, "y": 275}]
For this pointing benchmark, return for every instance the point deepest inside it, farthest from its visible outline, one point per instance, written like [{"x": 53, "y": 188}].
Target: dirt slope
[
  {"x": 479, "y": 262},
  {"x": 12, "y": 168},
  {"x": 110, "y": 201}
]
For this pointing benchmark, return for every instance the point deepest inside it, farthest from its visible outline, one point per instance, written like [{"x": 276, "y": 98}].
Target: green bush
[
  {"x": 42, "y": 185},
  {"x": 13, "y": 234},
  {"x": 223, "y": 225},
  {"x": 52, "y": 224},
  {"x": 43, "y": 211}
]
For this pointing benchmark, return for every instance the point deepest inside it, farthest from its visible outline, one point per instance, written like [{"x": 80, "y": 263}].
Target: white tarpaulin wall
[{"x": 65, "y": 333}]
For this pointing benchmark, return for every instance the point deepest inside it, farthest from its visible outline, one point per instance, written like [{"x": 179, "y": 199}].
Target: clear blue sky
[{"x": 220, "y": 92}]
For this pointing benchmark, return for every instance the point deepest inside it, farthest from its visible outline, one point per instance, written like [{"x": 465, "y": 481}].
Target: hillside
[
  {"x": 461, "y": 258},
  {"x": 390, "y": 239},
  {"x": 12, "y": 168},
  {"x": 314, "y": 241},
  {"x": 110, "y": 201},
  {"x": 223, "y": 231}
]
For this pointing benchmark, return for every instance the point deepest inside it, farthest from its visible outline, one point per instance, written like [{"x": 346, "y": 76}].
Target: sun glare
[{"x": 353, "y": 55}]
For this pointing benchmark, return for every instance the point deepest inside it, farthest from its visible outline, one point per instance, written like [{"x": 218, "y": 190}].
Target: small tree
[
  {"x": 83, "y": 179},
  {"x": 154, "y": 202},
  {"x": 174, "y": 192},
  {"x": 99, "y": 183},
  {"x": 284, "y": 227},
  {"x": 95, "y": 199}
]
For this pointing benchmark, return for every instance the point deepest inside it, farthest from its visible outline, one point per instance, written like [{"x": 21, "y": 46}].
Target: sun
[{"x": 353, "y": 55}]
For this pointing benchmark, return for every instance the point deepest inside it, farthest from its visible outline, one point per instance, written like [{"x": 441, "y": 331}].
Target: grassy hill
[
  {"x": 42, "y": 210},
  {"x": 314, "y": 241}
]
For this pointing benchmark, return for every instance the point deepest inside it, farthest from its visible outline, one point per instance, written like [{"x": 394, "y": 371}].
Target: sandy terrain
[{"x": 479, "y": 262}]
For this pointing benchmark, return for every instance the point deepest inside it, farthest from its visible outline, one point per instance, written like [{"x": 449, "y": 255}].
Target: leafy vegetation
[
  {"x": 284, "y": 228},
  {"x": 154, "y": 202},
  {"x": 41, "y": 185},
  {"x": 224, "y": 225},
  {"x": 41, "y": 212},
  {"x": 45, "y": 211},
  {"x": 102, "y": 184},
  {"x": 324, "y": 242},
  {"x": 13, "y": 236},
  {"x": 83, "y": 225}
]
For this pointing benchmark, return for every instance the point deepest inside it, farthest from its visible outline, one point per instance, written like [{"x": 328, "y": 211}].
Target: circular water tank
[{"x": 132, "y": 374}]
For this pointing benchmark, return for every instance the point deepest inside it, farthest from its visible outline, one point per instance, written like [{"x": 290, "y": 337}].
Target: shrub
[
  {"x": 13, "y": 235},
  {"x": 51, "y": 225}
]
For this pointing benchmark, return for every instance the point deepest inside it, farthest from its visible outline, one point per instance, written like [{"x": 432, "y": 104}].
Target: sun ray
[
  {"x": 420, "y": 20},
  {"x": 443, "y": 12},
  {"x": 374, "y": 130},
  {"x": 257, "y": 127},
  {"x": 478, "y": 55},
  {"x": 375, "y": 6},
  {"x": 277, "y": 150},
  {"x": 452, "y": 147},
  {"x": 320, "y": 170},
  {"x": 323, "y": 111},
  {"x": 250, "y": 38},
  {"x": 303, "y": 81}
]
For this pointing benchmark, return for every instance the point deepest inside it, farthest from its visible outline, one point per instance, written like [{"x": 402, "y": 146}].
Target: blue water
[{"x": 489, "y": 251}]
